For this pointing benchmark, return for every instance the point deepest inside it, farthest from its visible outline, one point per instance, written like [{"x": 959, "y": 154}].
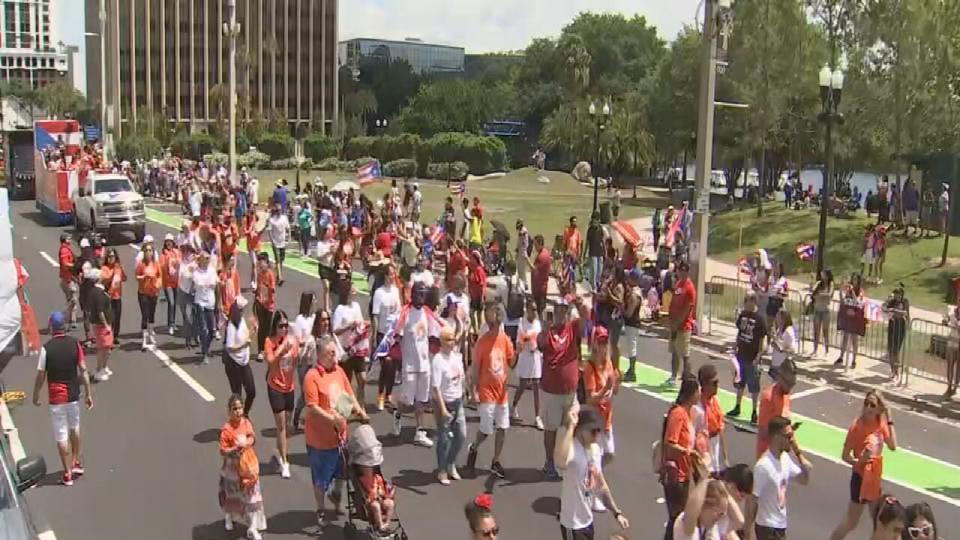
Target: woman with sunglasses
[
  {"x": 921, "y": 524},
  {"x": 479, "y": 514},
  {"x": 862, "y": 450},
  {"x": 149, "y": 283},
  {"x": 240, "y": 495},
  {"x": 113, "y": 275},
  {"x": 889, "y": 519},
  {"x": 282, "y": 352}
]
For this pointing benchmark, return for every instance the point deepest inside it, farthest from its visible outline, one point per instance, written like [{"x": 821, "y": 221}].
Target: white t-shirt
[
  {"x": 462, "y": 310},
  {"x": 771, "y": 477},
  {"x": 253, "y": 191},
  {"x": 447, "y": 374},
  {"x": 386, "y": 306},
  {"x": 301, "y": 327},
  {"x": 343, "y": 316},
  {"x": 204, "y": 286},
  {"x": 417, "y": 201},
  {"x": 279, "y": 227},
  {"x": 788, "y": 342},
  {"x": 529, "y": 350},
  {"x": 579, "y": 484},
  {"x": 424, "y": 276},
  {"x": 700, "y": 426},
  {"x": 415, "y": 344},
  {"x": 186, "y": 276},
  {"x": 711, "y": 533},
  {"x": 237, "y": 336}
]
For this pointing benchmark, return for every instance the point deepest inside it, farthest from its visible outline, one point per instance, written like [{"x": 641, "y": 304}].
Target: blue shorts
[
  {"x": 749, "y": 376},
  {"x": 325, "y": 466}
]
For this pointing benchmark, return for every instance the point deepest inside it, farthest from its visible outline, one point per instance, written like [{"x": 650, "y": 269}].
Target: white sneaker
[
  {"x": 284, "y": 470},
  {"x": 101, "y": 376},
  {"x": 152, "y": 336},
  {"x": 172, "y": 330},
  {"x": 454, "y": 475},
  {"x": 397, "y": 428},
  {"x": 144, "y": 341},
  {"x": 217, "y": 335},
  {"x": 539, "y": 423},
  {"x": 108, "y": 371},
  {"x": 598, "y": 505},
  {"x": 227, "y": 523},
  {"x": 254, "y": 534},
  {"x": 253, "y": 284},
  {"x": 421, "y": 439}
]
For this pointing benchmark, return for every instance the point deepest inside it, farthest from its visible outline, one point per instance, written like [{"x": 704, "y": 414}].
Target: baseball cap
[
  {"x": 57, "y": 320},
  {"x": 600, "y": 334},
  {"x": 148, "y": 239},
  {"x": 84, "y": 242},
  {"x": 168, "y": 237},
  {"x": 634, "y": 273}
]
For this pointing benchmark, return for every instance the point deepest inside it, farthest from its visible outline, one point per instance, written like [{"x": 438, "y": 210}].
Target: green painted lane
[
  {"x": 910, "y": 469},
  {"x": 293, "y": 260}
]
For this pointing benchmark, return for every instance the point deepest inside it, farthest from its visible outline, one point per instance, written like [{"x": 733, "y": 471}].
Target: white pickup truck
[{"x": 109, "y": 204}]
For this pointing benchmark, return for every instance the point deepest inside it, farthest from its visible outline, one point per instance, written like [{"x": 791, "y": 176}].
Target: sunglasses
[
  {"x": 870, "y": 404},
  {"x": 489, "y": 533},
  {"x": 917, "y": 532}
]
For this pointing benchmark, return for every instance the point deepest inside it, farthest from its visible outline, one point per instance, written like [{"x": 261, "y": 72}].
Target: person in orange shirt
[
  {"x": 149, "y": 283},
  {"x": 492, "y": 354},
  {"x": 229, "y": 287},
  {"x": 170, "y": 279},
  {"x": 68, "y": 279},
  {"x": 862, "y": 450},
  {"x": 330, "y": 401},
  {"x": 282, "y": 353},
  {"x": 601, "y": 382},
  {"x": 266, "y": 299},
  {"x": 240, "y": 496},
  {"x": 113, "y": 275},
  {"x": 708, "y": 422},
  {"x": 677, "y": 447},
  {"x": 775, "y": 401},
  {"x": 251, "y": 231},
  {"x": 229, "y": 236}
]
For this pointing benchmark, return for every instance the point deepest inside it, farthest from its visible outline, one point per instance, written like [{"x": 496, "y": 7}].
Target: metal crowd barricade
[
  {"x": 927, "y": 347},
  {"x": 724, "y": 299}
]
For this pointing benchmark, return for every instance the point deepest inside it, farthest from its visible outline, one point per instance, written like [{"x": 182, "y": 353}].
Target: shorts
[
  {"x": 605, "y": 442},
  {"x": 769, "y": 533},
  {"x": 856, "y": 482},
  {"x": 325, "y": 467},
  {"x": 749, "y": 376},
  {"x": 868, "y": 257},
  {"x": 354, "y": 364},
  {"x": 629, "y": 342},
  {"x": 554, "y": 408},
  {"x": 493, "y": 416},
  {"x": 585, "y": 533},
  {"x": 104, "y": 336},
  {"x": 911, "y": 217},
  {"x": 279, "y": 254},
  {"x": 66, "y": 418},
  {"x": 280, "y": 401},
  {"x": 415, "y": 388},
  {"x": 70, "y": 290},
  {"x": 529, "y": 366},
  {"x": 680, "y": 343}
]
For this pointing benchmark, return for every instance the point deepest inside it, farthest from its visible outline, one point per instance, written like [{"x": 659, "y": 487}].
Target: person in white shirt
[
  {"x": 349, "y": 328},
  {"x": 414, "y": 329},
  {"x": 196, "y": 200},
  {"x": 767, "y": 509},
  {"x": 421, "y": 273},
  {"x": 236, "y": 360},
  {"x": 185, "y": 294},
  {"x": 456, "y": 306},
  {"x": 446, "y": 378},
  {"x": 253, "y": 191},
  {"x": 385, "y": 310},
  {"x": 577, "y": 454},
  {"x": 710, "y": 512},
  {"x": 783, "y": 342},
  {"x": 416, "y": 203},
  {"x": 278, "y": 229},
  {"x": 530, "y": 362},
  {"x": 205, "y": 282}
]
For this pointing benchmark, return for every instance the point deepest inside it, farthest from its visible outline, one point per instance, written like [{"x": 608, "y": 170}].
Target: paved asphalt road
[{"x": 152, "y": 463}]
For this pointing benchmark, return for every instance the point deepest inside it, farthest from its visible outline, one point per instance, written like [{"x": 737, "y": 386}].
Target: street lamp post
[
  {"x": 231, "y": 29},
  {"x": 600, "y": 116},
  {"x": 831, "y": 90}
]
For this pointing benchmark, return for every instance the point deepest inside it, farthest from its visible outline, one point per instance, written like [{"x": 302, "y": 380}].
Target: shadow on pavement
[
  {"x": 548, "y": 506},
  {"x": 207, "y": 436},
  {"x": 525, "y": 475},
  {"x": 410, "y": 479}
]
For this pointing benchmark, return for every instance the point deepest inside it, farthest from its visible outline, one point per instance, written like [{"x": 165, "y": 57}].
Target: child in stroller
[{"x": 370, "y": 496}]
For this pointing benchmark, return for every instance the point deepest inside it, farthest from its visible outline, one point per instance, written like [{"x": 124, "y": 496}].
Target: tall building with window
[
  {"x": 424, "y": 58},
  {"x": 27, "y": 52},
  {"x": 171, "y": 57}
]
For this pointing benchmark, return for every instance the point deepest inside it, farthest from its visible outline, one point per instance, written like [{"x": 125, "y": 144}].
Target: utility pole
[
  {"x": 232, "y": 30},
  {"x": 705, "y": 110}
]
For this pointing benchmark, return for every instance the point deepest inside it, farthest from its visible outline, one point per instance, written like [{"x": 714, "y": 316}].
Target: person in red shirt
[
  {"x": 677, "y": 449},
  {"x": 540, "y": 277},
  {"x": 149, "y": 283},
  {"x": 282, "y": 353},
  {"x": 683, "y": 312},
  {"x": 477, "y": 286},
  {"x": 457, "y": 262},
  {"x": 560, "y": 344},
  {"x": 265, "y": 300},
  {"x": 68, "y": 281}
]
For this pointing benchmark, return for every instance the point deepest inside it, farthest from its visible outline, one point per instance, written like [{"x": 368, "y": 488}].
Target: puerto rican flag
[
  {"x": 369, "y": 173},
  {"x": 434, "y": 324},
  {"x": 49, "y": 133},
  {"x": 458, "y": 189},
  {"x": 437, "y": 234},
  {"x": 806, "y": 251},
  {"x": 744, "y": 266}
]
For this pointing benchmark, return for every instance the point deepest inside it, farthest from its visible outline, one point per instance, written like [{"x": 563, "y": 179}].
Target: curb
[{"x": 908, "y": 401}]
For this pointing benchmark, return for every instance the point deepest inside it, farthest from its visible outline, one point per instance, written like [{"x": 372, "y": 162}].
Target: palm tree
[{"x": 578, "y": 58}]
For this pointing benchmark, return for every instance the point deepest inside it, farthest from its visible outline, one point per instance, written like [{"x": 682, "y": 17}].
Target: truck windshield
[{"x": 112, "y": 185}]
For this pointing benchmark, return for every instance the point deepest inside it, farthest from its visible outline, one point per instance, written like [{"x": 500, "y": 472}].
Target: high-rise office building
[
  {"x": 27, "y": 52},
  {"x": 171, "y": 57},
  {"x": 424, "y": 58}
]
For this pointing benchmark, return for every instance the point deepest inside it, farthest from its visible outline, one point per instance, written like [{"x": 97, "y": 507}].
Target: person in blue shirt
[{"x": 280, "y": 196}]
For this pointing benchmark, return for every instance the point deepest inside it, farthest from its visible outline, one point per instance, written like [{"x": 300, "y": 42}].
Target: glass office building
[{"x": 424, "y": 58}]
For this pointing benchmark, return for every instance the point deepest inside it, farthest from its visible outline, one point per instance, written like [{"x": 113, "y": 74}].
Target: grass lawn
[
  {"x": 545, "y": 208},
  {"x": 913, "y": 261}
]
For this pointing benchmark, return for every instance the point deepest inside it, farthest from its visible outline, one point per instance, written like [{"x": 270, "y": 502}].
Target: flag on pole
[
  {"x": 806, "y": 251},
  {"x": 458, "y": 189},
  {"x": 675, "y": 225},
  {"x": 437, "y": 234},
  {"x": 744, "y": 266},
  {"x": 369, "y": 173}
]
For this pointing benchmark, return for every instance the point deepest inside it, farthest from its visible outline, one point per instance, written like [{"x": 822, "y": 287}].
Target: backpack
[{"x": 514, "y": 302}]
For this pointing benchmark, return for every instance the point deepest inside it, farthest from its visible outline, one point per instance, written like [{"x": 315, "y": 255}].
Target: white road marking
[
  {"x": 10, "y": 430},
  {"x": 47, "y": 535},
  {"x": 49, "y": 259},
  {"x": 184, "y": 376},
  {"x": 809, "y": 392},
  {"x": 134, "y": 247}
]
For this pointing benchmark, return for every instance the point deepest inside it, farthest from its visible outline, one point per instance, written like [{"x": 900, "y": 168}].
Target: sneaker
[
  {"x": 76, "y": 469},
  {"x": 421, "y": 439},
  {"x": 227, "y": 523},
  {"x": 152, "y": 336},
  {"x": 443, "y": 478},
  {"x": 853, "y": 365},
  {"x": 254, "y": 534},
  {"x": 284, "y": 470},
  {"x": 260, "y": 357},
  {"x": 630, "y": 376},
  {"x": 753, "y": 418},
  {"x": 172, "y": 330},
  {"x": 539, "y": 423},
  {"x": 108, "y": 371},
  {"x": 322, "y": 519},
  {"x": 471, "y": 457},
  {"x": 734, "y": 412},
  {"x": 205, "y": 360},
  {"x": 671, "y": 382},
  {"x": 550, "y": 472},
  {"x": 838, "y": 362},
  {"x": 454, "y": 474},
  {"x": 515, "y": 419},
  {"x": 217, "y": 335},
  {"x": 497, "y": 469},
  {"x": 598, "y": 505},
  {"x": 67, "y": 479},
  {"x": 101, "y": 376},
  {"x": 396, "y": 423},
  {"x": 253, "y": 285},
  {"x": 380, "y": 400}
]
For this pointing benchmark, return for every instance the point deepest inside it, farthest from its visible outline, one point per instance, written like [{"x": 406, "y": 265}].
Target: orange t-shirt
[
  {"x": 151, "y": 282},
  {"x": 113, "y": 278},
  {"x": 594, "y": 381},
  {"x": 773, "y": 402},
  {"x": 267, "y": 289},
  {"x": 859, "y": 434},
  {"x": 250, "y": 231},
  {"x": 680, "y": 432},
  {"x": 170, "y": 268},
  {"x": 280, "y": 370},
  {"x": 229, "y": 289},
  {"x": 325, "y": 389},
  {"x": 493, "y": 355},
  {"x": 714, "y": 416}
]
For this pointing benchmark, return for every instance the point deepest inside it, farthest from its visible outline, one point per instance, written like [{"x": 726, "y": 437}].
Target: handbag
[{"x": 248, "y": 468}]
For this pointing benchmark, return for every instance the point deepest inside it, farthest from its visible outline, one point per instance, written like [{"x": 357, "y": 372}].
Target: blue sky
[{"x": 479, "y": 26}]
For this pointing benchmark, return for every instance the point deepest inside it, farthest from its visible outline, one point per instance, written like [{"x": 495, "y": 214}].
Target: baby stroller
[{"x": 367, "y": 489}]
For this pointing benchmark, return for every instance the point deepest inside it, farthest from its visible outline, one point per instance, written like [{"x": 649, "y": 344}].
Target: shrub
[
  {"x": 282, "y": 164},
  {"x": 136, "y": 147},
  {"x": 253, "y": 160},
  {"x": 456, "y": 170},
  {"x": 403, "y": 168},
  {"x": 319, "y": 147},
  {"x": 193, "y": 146},
  {"x": 328, "y": 164},
  {"x": 217, "y": 159},
  {"x": 359, "y": 147},
  {"x": 306, "y": 164},
  {"x": 276, "y": 145}
]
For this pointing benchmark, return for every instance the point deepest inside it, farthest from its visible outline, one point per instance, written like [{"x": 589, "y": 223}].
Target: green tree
[
  {"x": 456, "y": 105},
  {"x": 392, "y": 82},
  {"x": 61, "y": 99}
]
